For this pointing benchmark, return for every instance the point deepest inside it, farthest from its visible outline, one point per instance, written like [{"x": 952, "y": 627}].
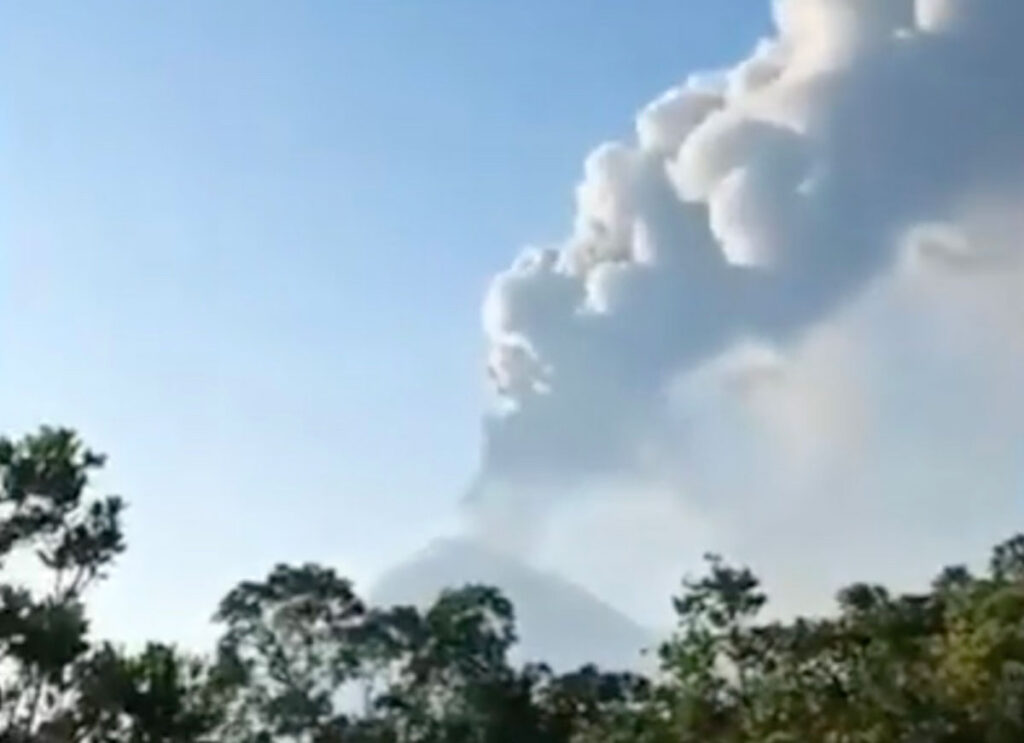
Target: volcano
[{"x": 558, "y": 622}]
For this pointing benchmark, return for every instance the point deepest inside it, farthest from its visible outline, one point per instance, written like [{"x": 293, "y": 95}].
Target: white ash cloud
[{"x": 752, "y": 208}]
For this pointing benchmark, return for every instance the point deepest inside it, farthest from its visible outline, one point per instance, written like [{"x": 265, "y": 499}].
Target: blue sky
[{"x": 243, "y": 247}]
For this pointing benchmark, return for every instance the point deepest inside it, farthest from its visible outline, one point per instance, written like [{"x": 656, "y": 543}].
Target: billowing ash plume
[
  {"x": 753, "y": 206},
  {"x": 787, "y": 324}
]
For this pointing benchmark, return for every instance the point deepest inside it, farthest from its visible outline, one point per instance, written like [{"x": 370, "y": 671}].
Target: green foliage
[
  {"x": 310, "y": 663},
  {"x": 62, "y": 542},
  {"x": 290, "y": 645},
  {"x": 159, "y": 694},
  {"x": 941, "y": 667},
  {"x": 302, "y": 659}
]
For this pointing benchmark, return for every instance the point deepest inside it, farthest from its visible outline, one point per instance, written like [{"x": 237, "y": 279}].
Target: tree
[
  {"x": 302, "y": 659},
  {"x": 310, "y": 663},
  {"x": 159, "y": 695},
  {"x": 62, "y": 541},
  {"x": 290, "y": 646},
  {"x": 941, "y": 667}
]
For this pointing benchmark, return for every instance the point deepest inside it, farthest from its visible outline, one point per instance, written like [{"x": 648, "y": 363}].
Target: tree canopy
[{"x": 302, "y": 658}]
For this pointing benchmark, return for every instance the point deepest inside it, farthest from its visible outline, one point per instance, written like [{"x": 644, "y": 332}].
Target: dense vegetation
[{"x": 302, "y": 659}]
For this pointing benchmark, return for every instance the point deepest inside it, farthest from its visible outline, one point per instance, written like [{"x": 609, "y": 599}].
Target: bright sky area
[{"x": 243, "y": 247}]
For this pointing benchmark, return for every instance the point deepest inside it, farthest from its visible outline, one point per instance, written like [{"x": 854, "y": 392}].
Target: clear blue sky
[{"x": 243, "y": 245}]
